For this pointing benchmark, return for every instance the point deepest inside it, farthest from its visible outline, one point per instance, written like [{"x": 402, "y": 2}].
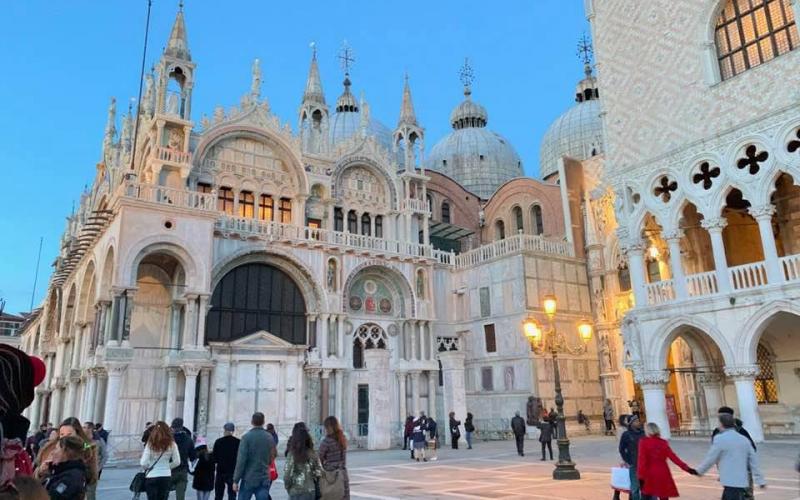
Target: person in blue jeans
[
  {"x": 469, "y": 428},
  {"x": 629, "y": 451},
  {"x": 256, "y": 452}
]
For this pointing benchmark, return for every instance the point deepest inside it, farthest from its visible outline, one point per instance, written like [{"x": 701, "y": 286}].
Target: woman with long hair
[
  {"x": 302, "y": 469},
  {"x": 71, "y": 427},
  {"x": 67, "y": 477},
  {"x": 333, "y": 453},
  {"x": 655, "y": 478},
  {"x": 160, "y": 456}
]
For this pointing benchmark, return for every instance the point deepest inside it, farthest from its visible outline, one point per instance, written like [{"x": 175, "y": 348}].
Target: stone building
[{"x": 234, "y": 265}]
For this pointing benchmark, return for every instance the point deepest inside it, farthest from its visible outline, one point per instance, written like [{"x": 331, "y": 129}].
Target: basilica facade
[{"x": 235, "y": 264}]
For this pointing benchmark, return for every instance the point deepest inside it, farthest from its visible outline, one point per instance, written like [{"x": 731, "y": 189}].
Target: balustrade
[
  {"x": 702, "y": 284},
  {"x": 791, "y": 267},
  {"x": 513, "y": 244},
  {"x": 163, "y": 195},
  {"x": 172, "y": 155},
  {"x": 660, "y": 292},
  {"x": 748, "y": 275}
]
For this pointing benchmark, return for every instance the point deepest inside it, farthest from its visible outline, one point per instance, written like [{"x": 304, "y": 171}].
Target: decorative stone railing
[
  {"x": 444, "y": 257},
  {"x": 163, "y": 195},
  {"x": 276, "y": 231},
  {"x": 514, "y": 244},
  {"x": 420, "y": 206},
  {"x": 172, "y": 155},
  {"x": 790, "y": 265},
  {"x": 660, "y": 292},
  {"x": 748, "y": 275},
  {"x": 702, "y": 284}
]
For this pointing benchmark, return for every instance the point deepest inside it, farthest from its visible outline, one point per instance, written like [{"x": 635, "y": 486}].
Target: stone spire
[
  {"x": 255, "y": 84},
  {"x": 178, "y": 43},
  {"x": 313, "y": 92},
  {"x": 407, "y": 114},
  {"x": 111, "y": 128}
]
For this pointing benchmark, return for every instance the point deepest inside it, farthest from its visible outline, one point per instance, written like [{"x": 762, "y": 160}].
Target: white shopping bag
[{"x": 620, "y": 479}]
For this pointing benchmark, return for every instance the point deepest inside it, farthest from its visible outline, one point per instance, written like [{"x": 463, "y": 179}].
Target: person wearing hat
[
  {"x": 19, "y": 375},
  {"x": 203, "y": 482},
  {"x": 224, "y": 454},
  {"x": 629, "y": 451}
]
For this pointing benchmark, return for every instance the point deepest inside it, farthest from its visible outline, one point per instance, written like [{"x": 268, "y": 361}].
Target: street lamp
[{"x": 549, "y": 340}]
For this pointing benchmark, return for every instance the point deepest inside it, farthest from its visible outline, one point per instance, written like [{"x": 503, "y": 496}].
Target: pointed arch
[
  {"x": 749, "y": 335},
  {"x": 661, "y": 341}
]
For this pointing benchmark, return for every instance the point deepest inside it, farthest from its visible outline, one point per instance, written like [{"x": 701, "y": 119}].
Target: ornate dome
[
  {"x": 347, "y": 120},
  {"x": 477, "y": 158},
  {"x": 578, "y": 133}
]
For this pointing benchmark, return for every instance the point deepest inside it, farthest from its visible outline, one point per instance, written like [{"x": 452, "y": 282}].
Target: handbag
[
  {"x": 273, "y": 471},
  {"x": 621, "y": 479},
  {"x": 137, "y": 483},
  {"x": 331, "y": 484}
]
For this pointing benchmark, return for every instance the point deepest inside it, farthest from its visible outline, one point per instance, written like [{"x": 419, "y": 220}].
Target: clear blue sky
[{"x": 62, "y": 61}]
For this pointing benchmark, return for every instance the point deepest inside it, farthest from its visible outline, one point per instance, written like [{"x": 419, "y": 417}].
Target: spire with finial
[
  {"x": 587, "y": 88},
  {"x": 346, "y": 101},
  {"x": 178, "y": 43},
  {"x": 111, "y": 120},
  {"x": 407, "y": 114},
  {"x": 467, "y": 77},
  {"x": 255, "y": 85},
  {"x": 313, "y": 92},
  {"x": 585, "y": 53}
]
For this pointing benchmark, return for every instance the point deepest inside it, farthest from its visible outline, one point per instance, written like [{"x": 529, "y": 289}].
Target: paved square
[{"x": 493, "y": 470}]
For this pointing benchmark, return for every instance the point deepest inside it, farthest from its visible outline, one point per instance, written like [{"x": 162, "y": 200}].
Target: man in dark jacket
[
  {"x": 407, "y": 431},
  {"x": 518, "y": 428},
  {"x": 224, "y": 452},
  {"x": 552, "y": 418},
  {"x": 629, "y": 451},
  {"x": 180, "y": 474},
  {"x": 256, "y": 451},
  {"x": 98, "y": 428}
]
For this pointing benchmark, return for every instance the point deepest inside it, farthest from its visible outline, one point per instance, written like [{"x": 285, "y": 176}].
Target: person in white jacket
[
  {"x": 160, "y": 456},
  {"x": 733, "y": 455}
]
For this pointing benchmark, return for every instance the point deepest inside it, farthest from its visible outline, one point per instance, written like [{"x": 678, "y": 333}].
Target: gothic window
[
  {"x": 365, "y": 224},
  {"x": 751, "y": 32},
  {"x": 338, "y": 219},
  {"x": 488, "y": 335},
  {"x": 265, "y": 207},
  {"x": 752, "y": 159},
  {"x": 203, "y": 187},
  {"x": 665, "y": 188},
  {"x": 285, "y": 209},
  {"x": 379, "y": 226},
  {"x": 254, "y": 297},
  {"x": 766, "y": 388},
  {"x": 518, "y": 219},
  {"x": 706, "y": 175},
  {"x": 536, "y": 218},
  {"x": 352, "y": 222},
  {"x": 225, "y": 200},
  {"x": 446, "y": 212},
  {"x": 368, "y": 336},
  {"x": 485, "y": 302},
  {"x": 499, "y": 230},
  {"x": 246, "y": 204}
]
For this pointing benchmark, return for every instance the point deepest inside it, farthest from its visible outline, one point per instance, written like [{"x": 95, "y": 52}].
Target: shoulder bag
[{"x": 137, "y": 483}]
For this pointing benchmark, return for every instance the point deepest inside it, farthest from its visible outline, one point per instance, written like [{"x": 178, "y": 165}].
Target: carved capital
[
  {"x": 741, "y": 372},
  {"x": 191, "y": 370},
  {"x": 716, "y": 224},
  {"x": 633, "y": 246},
  {"x": 657, "y": 378},
  {"x": 762, "y": 211},
  {"x": 709, "y": 378},
  {"x": 116, "y": 370},
  {"x": 672, "y": 235}
]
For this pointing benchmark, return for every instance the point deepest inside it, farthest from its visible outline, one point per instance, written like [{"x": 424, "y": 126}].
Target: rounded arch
[
  {"x": 752, "y": 329},
  {"x": 87, "y": 294},
  {"x": 403, "y": 287},
  {"x": 196, "y": 276},
  {"x": 68, "y": 313},
  {"x": 107, "y": 276},
  {"x": 309, "y": 285},
  {"x": 369, "y": 164},
  {"x": 295, "y": 162},
  {"x": 698, "y": 331}
]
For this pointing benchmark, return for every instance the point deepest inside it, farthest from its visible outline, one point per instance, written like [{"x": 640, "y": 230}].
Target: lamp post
[{"x": 550, "y": 341}]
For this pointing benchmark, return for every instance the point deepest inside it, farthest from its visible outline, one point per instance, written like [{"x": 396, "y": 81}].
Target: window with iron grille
[
  {"x": 766, "y": 388},
  {"x": 751, "y": 32}
]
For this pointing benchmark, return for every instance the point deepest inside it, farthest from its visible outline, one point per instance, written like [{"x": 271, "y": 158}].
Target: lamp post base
[{"x": 565, "y": 467}]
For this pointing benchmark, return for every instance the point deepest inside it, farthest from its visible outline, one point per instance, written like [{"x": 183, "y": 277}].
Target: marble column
[
  {"x": 653, "y": 385},
  {"x": 72, "y": 389},
  {"x": 342, "y": 337},
  {"x": 202, "y": 407},
  {"x": 413, "y": 331},
  {"x": 56, "y": 403},
  {"x": 714, "y": 228},
  {"x": 454, "y": 391},
  {"x": 711, "y": 384},
  {"x": 112, "y": 396},
  {"x": 175, "y": 324},
  {"x": 172, "y": 389},
  {"x": 322, "y": 342},
  {"x": 744, "y": 378},
  {"x": 202, "y": 312},
  {"x": 763, "y": 215},
  {"x": 401, "y": 389},
  {"x": 415, "y": 408},
  {"x": 325, "y": 397},
  {"x": 100, "y": 401},
  {"x": 189, "y": 326},
  {"x": 91, "y": 395},
  {"x": 36, "y": 408},
  {"x": 339, "y": 374},
  {"x": 676, "y": 266},
  {"x": 380, "y": 417},
  {"x": 433, "y": 381},
  {"x": 635, "y": 252},
  {"x": 190, "y": 374}
]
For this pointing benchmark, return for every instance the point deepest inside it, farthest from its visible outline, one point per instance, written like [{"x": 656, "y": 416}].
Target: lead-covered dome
[
  {"x": 348, "y": 119},
  {"x": 475, "y": 157},
  {"x": 578, "y": 133}
]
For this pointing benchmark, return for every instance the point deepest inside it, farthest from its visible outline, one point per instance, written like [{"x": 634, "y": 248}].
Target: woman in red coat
[{"x": 655, "y": 478}]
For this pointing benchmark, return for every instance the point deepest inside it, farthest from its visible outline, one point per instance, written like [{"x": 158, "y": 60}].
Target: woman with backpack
[
  {"x": 302, "y": 469},
  {"x": 333, "y": 456},
  {"x": 160, "y": 456}
]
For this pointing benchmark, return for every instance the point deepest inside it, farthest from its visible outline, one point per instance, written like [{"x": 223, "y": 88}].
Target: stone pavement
[{"x": 493, "y": 470}]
